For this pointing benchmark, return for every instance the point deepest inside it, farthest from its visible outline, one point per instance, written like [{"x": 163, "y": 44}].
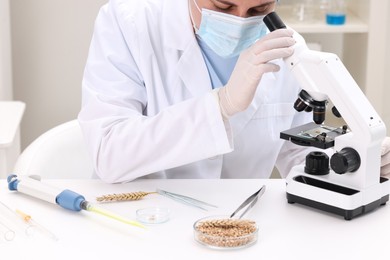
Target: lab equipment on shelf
[{"x": 336, "y": 12}]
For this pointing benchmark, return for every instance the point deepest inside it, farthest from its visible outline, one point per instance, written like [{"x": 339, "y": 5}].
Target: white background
[{"x": 50, "y": 41}]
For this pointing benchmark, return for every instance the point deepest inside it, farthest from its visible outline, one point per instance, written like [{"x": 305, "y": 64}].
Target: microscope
[{"x": 347, "y": 182}]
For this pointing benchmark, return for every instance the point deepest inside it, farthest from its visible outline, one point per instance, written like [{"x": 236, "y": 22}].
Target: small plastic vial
[
  {"x": 336, "y": 13},
  {"x": 305, "y": 11}
]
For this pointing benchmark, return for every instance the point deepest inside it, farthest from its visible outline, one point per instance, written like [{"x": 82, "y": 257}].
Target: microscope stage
[{"x": 311, "y": 134}]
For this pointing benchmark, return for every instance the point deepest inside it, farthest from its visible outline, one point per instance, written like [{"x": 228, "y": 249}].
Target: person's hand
[
  {"x": 251, "y": 65},
  {"x": 385, "y": 159}
]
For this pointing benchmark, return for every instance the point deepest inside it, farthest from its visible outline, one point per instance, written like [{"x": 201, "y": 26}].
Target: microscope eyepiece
[{"x": 273, "y": 22}]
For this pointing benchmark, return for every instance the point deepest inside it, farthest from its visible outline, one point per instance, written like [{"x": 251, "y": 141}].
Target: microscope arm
[{"x": 322, "y": 75}]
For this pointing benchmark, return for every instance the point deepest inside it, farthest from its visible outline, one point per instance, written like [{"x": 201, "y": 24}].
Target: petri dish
[
  {"x": 153, "y": 215},
  {"x": 222, "y": 232}
]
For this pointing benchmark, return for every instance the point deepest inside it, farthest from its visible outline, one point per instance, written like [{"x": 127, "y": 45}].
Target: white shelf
[
  {"x": 11, "y": 113},
  {"x": 353, "y": 24}
]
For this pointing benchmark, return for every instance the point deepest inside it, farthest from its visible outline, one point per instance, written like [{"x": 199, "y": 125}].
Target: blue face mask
[{"x": 228, "y": 35}]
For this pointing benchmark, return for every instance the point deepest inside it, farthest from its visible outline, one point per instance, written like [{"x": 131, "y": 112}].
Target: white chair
[{"x": 59, "y": 153}]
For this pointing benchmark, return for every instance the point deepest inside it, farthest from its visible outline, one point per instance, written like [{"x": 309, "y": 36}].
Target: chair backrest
[{"x": 59, "y": 153}]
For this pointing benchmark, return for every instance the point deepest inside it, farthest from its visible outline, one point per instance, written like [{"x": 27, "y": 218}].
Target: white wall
[
  {"x": 386, "y": 96},
  {"x": 5, "y": 52},
  {"x": 50, "y": 41}
]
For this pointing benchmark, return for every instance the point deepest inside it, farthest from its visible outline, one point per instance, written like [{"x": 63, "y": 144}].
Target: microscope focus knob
[
  {"x": 317, "y": 163},
  {"x": 346, "y": 160}
]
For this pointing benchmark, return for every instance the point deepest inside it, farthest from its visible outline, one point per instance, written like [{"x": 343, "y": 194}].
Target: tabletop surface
[{"x": 285, "y": 230}]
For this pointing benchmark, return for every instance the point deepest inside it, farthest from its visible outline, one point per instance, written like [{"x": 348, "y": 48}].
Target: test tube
[{"x": 6, "y": 233}]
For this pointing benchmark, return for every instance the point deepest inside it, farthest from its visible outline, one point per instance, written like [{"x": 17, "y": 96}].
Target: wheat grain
[
  {"x": 227, "y": 223},
  {"x": 226, "y": 232}
]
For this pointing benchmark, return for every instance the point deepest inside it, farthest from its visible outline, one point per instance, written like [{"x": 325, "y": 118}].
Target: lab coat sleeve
[{"x": 124, "y": 143}]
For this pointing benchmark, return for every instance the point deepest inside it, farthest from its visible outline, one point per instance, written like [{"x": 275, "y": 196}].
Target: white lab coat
[{"x": 148, "y": 110}]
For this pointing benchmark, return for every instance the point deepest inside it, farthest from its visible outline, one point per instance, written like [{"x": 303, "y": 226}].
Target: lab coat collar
[
  {"x": 177, "y": 26},
  {"x": 178, "y": 34}
]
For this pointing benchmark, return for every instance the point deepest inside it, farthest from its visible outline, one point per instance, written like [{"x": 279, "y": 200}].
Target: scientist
[{"x": 187, "y": 89}]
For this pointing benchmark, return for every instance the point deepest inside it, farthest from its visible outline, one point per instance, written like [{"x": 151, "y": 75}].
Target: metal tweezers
[
  {"x": 249, "y": 202},
  {"x": 185, "y": 199}
]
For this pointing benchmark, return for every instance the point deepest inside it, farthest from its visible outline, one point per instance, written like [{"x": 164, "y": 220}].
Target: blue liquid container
[{"x": 335, "y": 18}]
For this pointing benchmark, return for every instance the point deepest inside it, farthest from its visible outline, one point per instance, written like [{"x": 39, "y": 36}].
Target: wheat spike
[{"x": 123, "y": 196}]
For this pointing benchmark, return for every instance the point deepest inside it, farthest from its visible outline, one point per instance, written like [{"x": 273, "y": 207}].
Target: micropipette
[{"x": 31, "y": 185}]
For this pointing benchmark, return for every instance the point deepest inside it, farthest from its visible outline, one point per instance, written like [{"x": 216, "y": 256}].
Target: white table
[{"x": 286, "y": 231}]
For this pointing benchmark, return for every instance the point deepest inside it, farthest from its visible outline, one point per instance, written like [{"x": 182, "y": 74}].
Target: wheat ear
[{"x": 123, "y": 196}]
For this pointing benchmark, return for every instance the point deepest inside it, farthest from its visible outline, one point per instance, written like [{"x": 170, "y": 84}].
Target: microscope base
[
  {"x": 347, "y": 214},
  {"x": 333, "y": 198}
]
